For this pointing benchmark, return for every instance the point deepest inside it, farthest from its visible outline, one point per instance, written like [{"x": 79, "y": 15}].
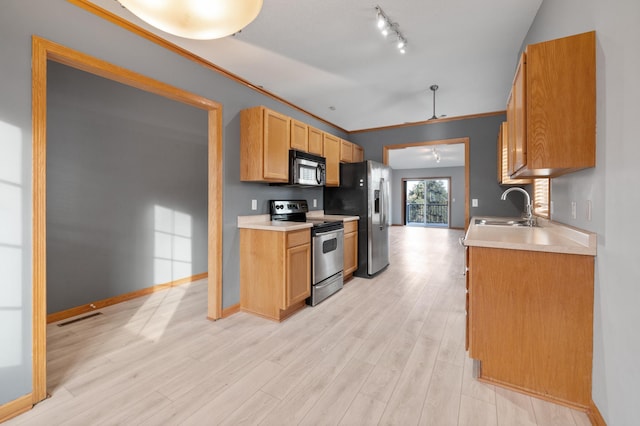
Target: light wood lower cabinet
[
  {"x": 350, "y": 247},
  {"x": 531, "y": 321},
  {"x": 275, "y": 272}
]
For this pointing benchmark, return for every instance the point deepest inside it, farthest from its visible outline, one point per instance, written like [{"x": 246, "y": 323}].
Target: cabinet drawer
[
  {"x": 296, "y": 238},
  {"x": 350, "y": 226}
]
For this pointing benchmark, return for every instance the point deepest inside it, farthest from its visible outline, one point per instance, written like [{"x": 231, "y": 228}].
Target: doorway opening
[
  {"x": 427, "y": 202},
  {"x": 431, "y": 160},
  {"x": 44, "y": 51}
]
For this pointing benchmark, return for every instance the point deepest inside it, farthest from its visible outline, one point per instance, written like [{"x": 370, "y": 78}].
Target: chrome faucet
[{"x": 528, "y": 207}]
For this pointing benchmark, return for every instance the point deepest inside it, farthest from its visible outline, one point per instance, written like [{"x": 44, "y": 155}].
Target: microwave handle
[{"x": 319, "y": 174}]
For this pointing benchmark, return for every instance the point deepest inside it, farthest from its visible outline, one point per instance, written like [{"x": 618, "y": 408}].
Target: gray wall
[
  {"x": 611, "y": 187},
  {"x": 457, "y": 191},
  {"x": 483, "y": 176},
  {"x": 116, "y": 156}
]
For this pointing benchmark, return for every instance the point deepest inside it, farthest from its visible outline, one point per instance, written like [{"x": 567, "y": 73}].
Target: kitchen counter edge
[
  {"x": 549, "y": 236},
  {"x": 264, "y": 222}
]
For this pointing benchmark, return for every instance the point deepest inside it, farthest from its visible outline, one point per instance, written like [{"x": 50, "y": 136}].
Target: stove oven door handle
[{"x": 336, "y": 233}]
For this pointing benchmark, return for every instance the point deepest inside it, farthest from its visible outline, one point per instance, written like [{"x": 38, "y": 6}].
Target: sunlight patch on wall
[
  {"x": 172, "y": 245},
  {"x": 11, "y": 228},
  {"x": 172, "y": 231}
]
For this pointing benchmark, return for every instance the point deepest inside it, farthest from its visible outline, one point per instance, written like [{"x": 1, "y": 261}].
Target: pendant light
[
  {"x": 433, "y": 88},
  {"x": 196, "y": 19}
]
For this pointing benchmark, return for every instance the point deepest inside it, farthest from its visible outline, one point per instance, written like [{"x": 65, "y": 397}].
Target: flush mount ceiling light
[
  {"x": 386, "y": 27},
  {"x": 196, "y": 19}
]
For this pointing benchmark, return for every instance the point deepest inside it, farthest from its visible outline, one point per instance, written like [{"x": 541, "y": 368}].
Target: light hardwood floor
[{"x": 389, "y": 350}]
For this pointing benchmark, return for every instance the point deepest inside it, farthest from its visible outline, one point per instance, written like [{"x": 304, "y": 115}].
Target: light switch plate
[
  {"x": 474, "y": 202},
  {"x": 254, "y": 204}
]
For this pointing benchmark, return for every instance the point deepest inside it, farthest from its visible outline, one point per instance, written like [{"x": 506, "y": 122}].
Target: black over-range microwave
[{"x": 306, "y": 169}]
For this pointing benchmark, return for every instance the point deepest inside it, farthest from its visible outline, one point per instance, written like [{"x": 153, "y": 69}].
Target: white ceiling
[
  {"x": 323, "y": 54},
  {"x": 423, "y": 157}
]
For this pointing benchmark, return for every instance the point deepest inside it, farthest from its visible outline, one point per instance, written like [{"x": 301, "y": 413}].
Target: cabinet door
[
  {"x": 358, "y": 153},
  {"x": 315, "y": 141},
  {"x": 350, "y": 252},
  {"x": 533, "y": 312},
  {"x": 519, "y": 116},
  {"x": 346, "y": 151},
  {"x": 503, "y": 158},
  {"x": 298, "y": 280},
  {"x": 276, "y": 146},
  {"x": 510, "y": 141},
  {"x": 466, "y": 306},
  {"x": 299, "y": 136},
  {"x": 331, "y": 151}
]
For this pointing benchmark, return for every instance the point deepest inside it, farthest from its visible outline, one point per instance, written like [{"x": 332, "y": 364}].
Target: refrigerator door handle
[{"x": 383, "y": 204}]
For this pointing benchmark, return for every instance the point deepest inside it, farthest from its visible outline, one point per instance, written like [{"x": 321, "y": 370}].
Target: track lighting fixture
[{"x": 386, "y": 27}]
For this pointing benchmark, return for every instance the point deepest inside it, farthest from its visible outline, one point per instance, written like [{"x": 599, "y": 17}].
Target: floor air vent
[{"x": 95, "y": 314}]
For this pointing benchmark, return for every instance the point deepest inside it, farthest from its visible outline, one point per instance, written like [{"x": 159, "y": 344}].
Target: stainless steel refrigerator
[{"x": 365, "y": 191}]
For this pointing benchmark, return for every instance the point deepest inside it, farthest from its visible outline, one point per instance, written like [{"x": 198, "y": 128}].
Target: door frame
[
  {"x": 42, "y": 51},
  {"x": 465, "y": 141},
  {"x": 404, "y": 196}
]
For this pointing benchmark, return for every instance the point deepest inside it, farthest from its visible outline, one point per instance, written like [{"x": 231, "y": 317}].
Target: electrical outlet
[
  {"x": 254, "y": 204},
  {"x": 474, "y": 202},
  {"x": 573, "y": 210},
  {"x": 315, "y": 203}
]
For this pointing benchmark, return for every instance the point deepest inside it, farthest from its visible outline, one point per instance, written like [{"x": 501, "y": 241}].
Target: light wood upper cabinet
[
  {"x": 358, "y": 153},
  {"x": 331, "y": 152},
  {"x": 503, "y": 159},
  {"x": 346, "y": 151},
  {"x": 350, "y": 247},
  {"x": 267, "y": 136},
  {"x": 518, "y": 140},
  {"x": 315, "y": 141},
  {"x": 264, "y": 145},
  {"x": 552, "y": 110},
  {"x": 299, "y": 136},
  {"x": 275, "y": 272}
]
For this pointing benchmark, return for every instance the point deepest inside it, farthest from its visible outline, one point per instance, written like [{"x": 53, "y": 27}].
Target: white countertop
[
  {"x": 264, "y": 222},
  {"x": 548, "y": 236}
]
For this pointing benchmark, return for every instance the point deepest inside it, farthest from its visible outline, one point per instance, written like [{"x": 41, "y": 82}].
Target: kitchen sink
[{"x": 502, "y": 222}]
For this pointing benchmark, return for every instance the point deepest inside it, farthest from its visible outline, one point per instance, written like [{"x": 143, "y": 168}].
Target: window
[{"x": 541, "y": 197}]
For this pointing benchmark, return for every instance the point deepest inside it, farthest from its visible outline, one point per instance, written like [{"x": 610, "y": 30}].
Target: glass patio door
[{"x": 427, "y": 202}]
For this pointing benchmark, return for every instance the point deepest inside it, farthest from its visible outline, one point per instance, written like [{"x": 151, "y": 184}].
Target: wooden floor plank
[
  {"x": 514, "y": 408},
  {"x": 442, "y": 403},
  {"x": 475, "y": 412},
  {"x": 334, "y": 401},
  {"x": 364, "y": 410}
]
